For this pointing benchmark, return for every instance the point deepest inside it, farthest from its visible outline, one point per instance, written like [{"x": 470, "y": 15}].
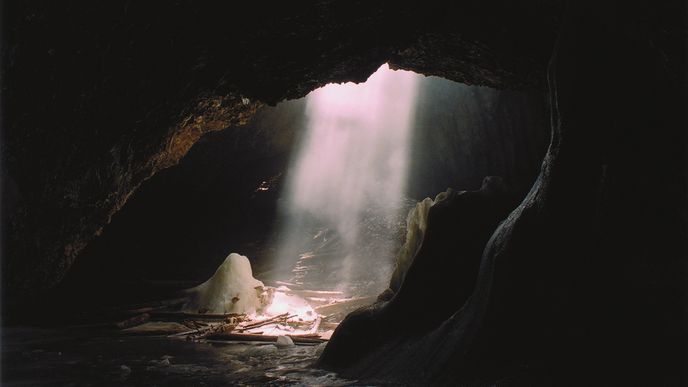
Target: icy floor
[{"x": 41, "y": 357}]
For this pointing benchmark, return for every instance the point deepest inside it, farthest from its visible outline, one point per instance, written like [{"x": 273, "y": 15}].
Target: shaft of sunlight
[{"x": 354, "y": 156}]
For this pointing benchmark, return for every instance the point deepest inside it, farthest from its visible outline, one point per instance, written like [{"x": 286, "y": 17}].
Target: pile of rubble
[{"x": 234, "y": 306}]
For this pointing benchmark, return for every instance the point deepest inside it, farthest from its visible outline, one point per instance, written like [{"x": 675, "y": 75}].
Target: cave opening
[
  {"x": 327, "y": 196},
  {"x": 143, "y": 144},
  {"x": 345, "y": 189},
  {"x": 333, "y": 176}
]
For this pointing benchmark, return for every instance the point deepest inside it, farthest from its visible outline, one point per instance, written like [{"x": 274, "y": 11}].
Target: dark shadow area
[
  {"x": 138, "y": 151},
  {"x": 178, "y": 228},
  {"x": 584, "y": 282}
]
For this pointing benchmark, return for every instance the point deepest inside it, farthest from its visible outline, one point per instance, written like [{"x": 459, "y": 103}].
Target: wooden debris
[
  {"x": 308, "y": 335},
  {"x": 134, "y": 321},
  {"x": 177, "y": 316},
  {"x": 300, "y": 324},
  {"x": 232, "y": 336},
  {"x": 164, "y": 317},
  {"x": 315, "y": 326},
  {"x": 279, "y": 318},
  {"x": 155, "y": 328},
  {"x": 205, "y": 331}
]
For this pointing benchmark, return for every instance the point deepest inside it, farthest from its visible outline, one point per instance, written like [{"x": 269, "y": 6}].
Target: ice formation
[
  {"x": 416, "y": 224},
  {"x": 232, "y": 289}
]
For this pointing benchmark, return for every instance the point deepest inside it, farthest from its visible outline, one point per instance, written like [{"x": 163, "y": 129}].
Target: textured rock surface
[
  {"x": 470, "y": 132},
  {"x": 96, "y": 97},
  {"x": 438, "y": 282},
  {"x": 181, "y": 224},
  {"x": 584, "y": 282},
  {"x": 587, "y": 274}
]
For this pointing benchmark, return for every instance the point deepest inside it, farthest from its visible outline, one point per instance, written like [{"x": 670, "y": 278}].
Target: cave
[{"x": 344, "y": 193}]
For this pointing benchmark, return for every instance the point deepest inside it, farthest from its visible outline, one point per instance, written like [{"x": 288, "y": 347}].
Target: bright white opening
[{"x": 353, "y": 159}]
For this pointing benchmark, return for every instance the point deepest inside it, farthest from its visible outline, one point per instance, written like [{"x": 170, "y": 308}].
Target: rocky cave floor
[
  {"x": 70, "y": 357},
  {"x": 76, "y": 348}
]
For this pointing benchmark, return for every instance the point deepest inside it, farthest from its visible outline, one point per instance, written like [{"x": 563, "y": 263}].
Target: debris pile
[{"x": 234, "y": 306}]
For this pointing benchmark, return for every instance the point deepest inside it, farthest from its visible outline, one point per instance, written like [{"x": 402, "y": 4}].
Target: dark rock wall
[
  {"x": 468, "y": 132},
  {"x": 584, "y": 282},
  {"x": 586, "y": 276},
  {"x": 98, "y": 97},
  {"x": 181, "y": 224}
]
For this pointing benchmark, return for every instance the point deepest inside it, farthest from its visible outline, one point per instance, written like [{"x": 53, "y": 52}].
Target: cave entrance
[
  {"x": 349, "y": 208},
  {"x": 341, "y": 212},
  {"x": 315, "y": 192},
  {"x": 344, "y": 198}
]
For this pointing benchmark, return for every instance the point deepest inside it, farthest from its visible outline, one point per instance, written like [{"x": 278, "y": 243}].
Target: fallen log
[
  {"x": 155, "y": 328},
  {"x": 204, "y": 331},
  {"x": 315, "y": 326},
  {"x": 308, "y": 335},
  {"x": 177, "y": 316},
  {"x": 232, "y": 336},
  {"x": 278, "y": 318}
]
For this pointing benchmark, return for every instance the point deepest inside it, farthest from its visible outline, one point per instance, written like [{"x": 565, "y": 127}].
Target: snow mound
[{"x": 232, "y": 289}]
